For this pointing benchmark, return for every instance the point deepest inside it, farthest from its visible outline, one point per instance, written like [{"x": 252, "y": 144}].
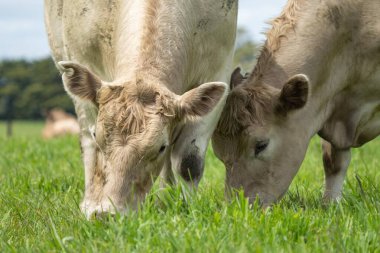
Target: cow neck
[
  {"x": 319, "y": 57},
  {"x": 153, "y": 53}
]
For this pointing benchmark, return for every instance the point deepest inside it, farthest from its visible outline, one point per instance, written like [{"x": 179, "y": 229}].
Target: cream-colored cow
[
  {"x": 59, "y": 123},
  {"x": 318, "y": 73},
  {"x": 148, "y": 83}
]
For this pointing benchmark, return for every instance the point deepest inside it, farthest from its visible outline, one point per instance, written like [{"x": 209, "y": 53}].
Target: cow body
[
  {"x": 156, "y": 50},
  {"x": 59, "y": 123},
  {"x": 318, "y": 73}
]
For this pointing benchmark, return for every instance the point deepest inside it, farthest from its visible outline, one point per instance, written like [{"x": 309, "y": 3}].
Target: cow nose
[
  {"x": 191, "y": 168},
  {"x": 99, "y": 211}
]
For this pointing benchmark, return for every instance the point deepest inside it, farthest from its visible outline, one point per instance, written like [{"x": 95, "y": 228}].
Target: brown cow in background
[{"x": 59, "y": 123}]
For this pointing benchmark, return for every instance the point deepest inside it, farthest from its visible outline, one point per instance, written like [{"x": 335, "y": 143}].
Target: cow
[
  {"x": 148, "y": 80},
  {"x": 318, "y": 73},
  {"x": 59, "y": 123}
]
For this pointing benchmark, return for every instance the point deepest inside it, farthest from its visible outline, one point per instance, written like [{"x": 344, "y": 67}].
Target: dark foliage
[{"x": 29, "y": 88}]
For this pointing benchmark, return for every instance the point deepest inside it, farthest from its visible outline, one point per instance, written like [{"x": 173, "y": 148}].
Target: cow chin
[
  {"x": 117, "y": 198},
  {"x": 254, "y": 192},
  {"x": 258, "y": 186},
  {"x": 95, "y": 210},
  {"x": 264, "y": 198},
  {"x": 116, "y": 189}
]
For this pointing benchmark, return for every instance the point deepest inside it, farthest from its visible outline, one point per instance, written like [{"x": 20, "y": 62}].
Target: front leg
[
  {"x": 336, "y": 162},
  {"x": 87, "y": 113}
]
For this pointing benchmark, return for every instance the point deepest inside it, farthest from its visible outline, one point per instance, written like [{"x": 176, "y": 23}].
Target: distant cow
[
  {"x": 59, "y": 123},
  {"x": 318, "y": 73},
  {"x": 141, "y": 74}
]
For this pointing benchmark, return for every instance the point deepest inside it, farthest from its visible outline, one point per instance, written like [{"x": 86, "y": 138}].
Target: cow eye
[
  {"x": 261, "y": 146},
  {"x": 162, "y": 149}
]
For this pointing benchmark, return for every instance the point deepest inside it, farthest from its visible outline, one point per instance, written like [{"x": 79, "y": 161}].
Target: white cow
[{"x": 142, "y": 77}]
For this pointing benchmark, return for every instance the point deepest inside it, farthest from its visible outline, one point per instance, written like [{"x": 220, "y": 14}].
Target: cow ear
[
  {"x": 236, "y": 78},
  {"x": 201, "y": 100},
  {"x": 294, "y": 94},
  {"x": 79, "y": 81}
]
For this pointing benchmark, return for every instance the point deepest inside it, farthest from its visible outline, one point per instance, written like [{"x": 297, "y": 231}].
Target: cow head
[
  {"x": 133, "y": 130},
  {"x": 260, "y": 137}
]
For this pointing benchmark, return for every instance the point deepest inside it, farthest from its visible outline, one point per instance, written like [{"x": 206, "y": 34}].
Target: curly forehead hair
[
  {"x": 245, "y": 106},
  {"x": 131, "y": 110}
]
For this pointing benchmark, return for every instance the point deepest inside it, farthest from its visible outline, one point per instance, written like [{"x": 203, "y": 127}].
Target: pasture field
[{"x": 41, "y": 185}]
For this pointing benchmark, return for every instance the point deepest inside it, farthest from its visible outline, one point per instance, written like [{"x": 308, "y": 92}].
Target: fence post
[{"x": 9, "y": 113}]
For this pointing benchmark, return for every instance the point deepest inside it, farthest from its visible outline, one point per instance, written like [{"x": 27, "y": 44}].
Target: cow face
[
  {"x": 260, "y": 138},
  {"x": 133, "y": 131}
]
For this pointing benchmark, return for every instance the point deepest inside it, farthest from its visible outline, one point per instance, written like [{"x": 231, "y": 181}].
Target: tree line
[{"x": 29, "y": 88}]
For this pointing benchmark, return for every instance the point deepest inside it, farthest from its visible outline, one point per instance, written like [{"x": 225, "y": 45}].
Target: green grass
[
  {"x": 23, "y": 128},
  {"x": 41, "y": 184}
]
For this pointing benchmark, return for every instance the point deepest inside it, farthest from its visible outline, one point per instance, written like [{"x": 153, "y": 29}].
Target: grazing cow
[
  {"x": 139, "y": 73},
  {"x": 318, "y": 73},
  {"x": 59, "y": 123}
]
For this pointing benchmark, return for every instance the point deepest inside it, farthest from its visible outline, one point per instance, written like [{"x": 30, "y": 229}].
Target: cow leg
[
  {"x": 189, "y": 150},
  {"x": 86, "y": 114},
  {"x": 335, "y": 163}
]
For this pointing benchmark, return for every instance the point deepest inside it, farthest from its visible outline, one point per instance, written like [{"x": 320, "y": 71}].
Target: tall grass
[{"x": 41, "y": 185}]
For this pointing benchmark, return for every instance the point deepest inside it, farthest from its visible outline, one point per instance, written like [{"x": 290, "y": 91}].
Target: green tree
[{"x": 32, "y": 87}]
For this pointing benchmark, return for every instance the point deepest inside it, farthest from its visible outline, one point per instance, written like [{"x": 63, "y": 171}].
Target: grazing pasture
[{"x": 41, "y": 185}]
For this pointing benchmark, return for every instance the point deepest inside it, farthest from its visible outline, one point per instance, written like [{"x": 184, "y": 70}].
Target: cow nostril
[{"x": 192, "y": 168}]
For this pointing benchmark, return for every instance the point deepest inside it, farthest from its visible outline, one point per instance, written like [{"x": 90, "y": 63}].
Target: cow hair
[
  {"x": 280, "y": 27},
  {"x": 248, "y": 104},
  {"x": 245, "y": 106},
  {"x": 136, "y": 107}
]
